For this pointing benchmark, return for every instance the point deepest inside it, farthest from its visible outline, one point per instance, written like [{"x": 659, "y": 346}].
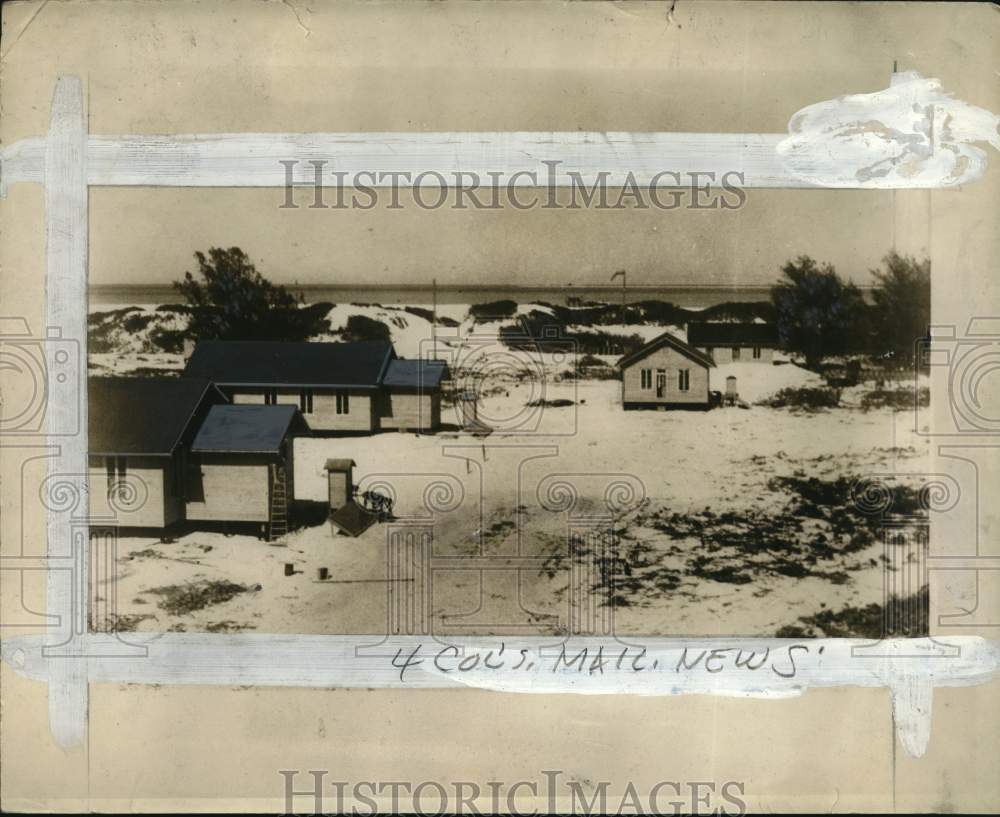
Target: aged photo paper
[{"x": 499, "y": 407}]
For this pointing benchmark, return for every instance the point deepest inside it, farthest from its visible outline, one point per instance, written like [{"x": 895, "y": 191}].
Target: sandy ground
[{"x": 499, "y": 499}]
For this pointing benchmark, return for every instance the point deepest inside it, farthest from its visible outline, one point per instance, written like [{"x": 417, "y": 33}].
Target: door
[{"x": 661, "y": 383}]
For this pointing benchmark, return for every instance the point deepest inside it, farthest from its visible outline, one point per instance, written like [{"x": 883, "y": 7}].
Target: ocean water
[{"x": 688, "y": 296}]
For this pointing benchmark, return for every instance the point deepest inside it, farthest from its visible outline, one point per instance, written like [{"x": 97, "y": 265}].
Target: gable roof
[
  {"x": 667, "y": 339},
  {"x": 732, "y": 334},
  {"x": 245, "y": 429},
  {"x": 418, "y": 374},
  {"x": 142, "y": 415},
  {"x": 360, "y": 364}
]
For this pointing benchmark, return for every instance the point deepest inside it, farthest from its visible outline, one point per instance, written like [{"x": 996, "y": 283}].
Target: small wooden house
[
  {"x": 411, "y": 397},
  {"x": 735, "y": 342},
  {"x": 139, "y": 432},
  {"x": 665, "y": 373},
  {"x": 241, "y": 466}
]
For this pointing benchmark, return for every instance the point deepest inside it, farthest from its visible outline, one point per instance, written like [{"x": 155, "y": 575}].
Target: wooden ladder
[{"x": 278, "y": 522}]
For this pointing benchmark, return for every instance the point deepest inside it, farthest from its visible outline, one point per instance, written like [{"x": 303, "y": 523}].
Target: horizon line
[{"x": 482, "y": 287}]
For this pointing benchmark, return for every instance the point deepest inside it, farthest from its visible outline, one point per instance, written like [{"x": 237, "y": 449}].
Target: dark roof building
[
  {"x": 732, "y": 334},
  {"x": 143, "y": 416},
  {"x": 247, "y": 429},
  {"x": 357, "y": 365}
]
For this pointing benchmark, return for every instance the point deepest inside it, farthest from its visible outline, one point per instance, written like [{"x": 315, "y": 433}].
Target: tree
[
  {"x": 902, "y": 308},
  {"x": 230, "y": 300},
  {"x": 817, "y": 313}
]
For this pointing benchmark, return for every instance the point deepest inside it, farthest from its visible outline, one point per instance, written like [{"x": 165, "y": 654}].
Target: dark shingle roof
[
  {"x": 417, "y": 374},
  {"x": 245, "y": 429},
  {"x": 667, "y": 339},
  {"x": 272, "y": 363},
  {"x": 141, "y": 415},
  {"x": 732, "y": 334}
]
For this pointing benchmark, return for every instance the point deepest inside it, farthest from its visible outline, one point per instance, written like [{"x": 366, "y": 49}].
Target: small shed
[
  {"x": 340, "y": 481},
  {"x": 241, "y": 467},
  {"x": 412, "y": 399},
  {"x": 732, "y": 394}
]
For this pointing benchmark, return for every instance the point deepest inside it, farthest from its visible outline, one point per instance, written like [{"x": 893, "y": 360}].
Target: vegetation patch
[
  {"x": 558, "y": 402},
  {"x": 428, "y": 316},
  {"x": 910, "y": 612},
  {"x": 361, "y": 327},
  {"x": 818, "y": 531},
  {"x": 493, "y": 310},
  {"x": 900, "y": 399},
  {"x": 807, "y": 398},
  {"x": 180, "y": 599}
]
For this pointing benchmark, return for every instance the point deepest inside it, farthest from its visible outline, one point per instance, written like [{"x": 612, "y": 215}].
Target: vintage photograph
[
  {"x": 675, "y": 457},
  {"x": 490, "y": 406}
]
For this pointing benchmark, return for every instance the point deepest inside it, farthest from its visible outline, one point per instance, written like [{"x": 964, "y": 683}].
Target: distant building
[
  {"x": 358, "y": 387},
  {"x": 140, "y": 430},
  {"x": 665, "y": 373},
  {"x": 735, "y": 342}
]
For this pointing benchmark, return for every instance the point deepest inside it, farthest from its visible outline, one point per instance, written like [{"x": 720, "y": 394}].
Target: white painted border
[{"x": 67, "y": 161}]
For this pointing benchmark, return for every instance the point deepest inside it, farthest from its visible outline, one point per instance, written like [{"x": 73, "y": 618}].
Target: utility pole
[
  {"x": 624, "y": 276},
  {"x": 434, "y": 317}
]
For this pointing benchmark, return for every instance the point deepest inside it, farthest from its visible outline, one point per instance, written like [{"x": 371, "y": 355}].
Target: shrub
[
  {"x": 807, "y": 398},
  {"x": 902, "y": 398},
  {"x": 493, "y": 310},
  {"x": 361, "y": 327},
  {"x": 231, "y": 300}
]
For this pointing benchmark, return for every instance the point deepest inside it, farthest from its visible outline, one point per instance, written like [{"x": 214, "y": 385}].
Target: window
[
  {"x": 736, "y": 353},
  {"x": 684, "y": 379},
  {"x": 756, "y": 353},
  {"x": 343, "y": 403},
  {"x": 709, "y": 350},
  {"x": 306, "y": 401},
  {"x": 646, "y": 379}
]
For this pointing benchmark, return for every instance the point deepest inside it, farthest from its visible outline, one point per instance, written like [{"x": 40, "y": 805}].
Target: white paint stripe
[
  {"x": 911, "y": 135},
  {"x": 255, "y": 159},
  {"x": 66, "y": 313},
  {"x": 910, "y": 668}
]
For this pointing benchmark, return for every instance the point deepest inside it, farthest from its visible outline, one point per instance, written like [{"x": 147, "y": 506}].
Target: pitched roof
[
  {"x": 667, "y": 339},
  {"x": 352, "y": 519},
  {"x": 142, "y": 415},
  {"x": 245, "y": 429},
  {"x": 732, "y": 334},
  {"x": 419, "y": 374},
  {"x": 279, "y": 363}
]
